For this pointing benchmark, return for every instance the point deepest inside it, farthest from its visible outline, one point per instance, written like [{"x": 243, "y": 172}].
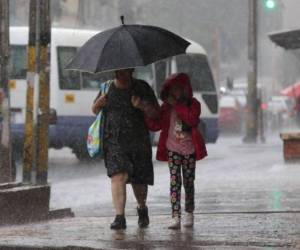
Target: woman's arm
[
  {"x": 154, "y": 124},
  {"x": 144, "y": 99},
  {"x": 151, "y": 111},
  {"x": 157, "y": 124},
  {"x": 189, "y": 114}
]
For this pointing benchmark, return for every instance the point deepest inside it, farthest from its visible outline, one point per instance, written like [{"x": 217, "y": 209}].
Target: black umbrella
[{"x": 127, "y": 46}]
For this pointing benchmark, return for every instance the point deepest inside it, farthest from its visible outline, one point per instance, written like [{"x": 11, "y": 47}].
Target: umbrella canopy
[
  {"x": 127, "y": 46},
  {"x": 292, "y": 91}
]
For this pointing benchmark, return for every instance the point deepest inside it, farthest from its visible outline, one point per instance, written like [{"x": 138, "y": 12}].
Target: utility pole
[
  {"x": 28, "y": 150},
  {"x": 251, "y": 122},
  {"x": 5, "y": 137},
  {"x": 216, "y": 55},
  {"x": 44, "y": 94}
]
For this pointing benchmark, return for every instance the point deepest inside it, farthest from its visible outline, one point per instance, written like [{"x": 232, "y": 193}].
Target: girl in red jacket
[{"x": 180, "y": 142}]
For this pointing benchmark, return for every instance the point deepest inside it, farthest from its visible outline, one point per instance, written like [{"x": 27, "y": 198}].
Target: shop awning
[{"x": 287, "y": 39}]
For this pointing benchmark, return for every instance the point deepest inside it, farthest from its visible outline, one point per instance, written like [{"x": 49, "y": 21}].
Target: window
[
  {"x": 161, "y": 72},
  {"x": 144, "y": 73},
  {"x": 197, "y": 67},
  {"x": 71, "y": 79},
  {"x": 93, "y": 81},
  {"x": 18, "y": 62},
  {"x": 211, "y": 102},
  {"x": 68, "y": 79}
]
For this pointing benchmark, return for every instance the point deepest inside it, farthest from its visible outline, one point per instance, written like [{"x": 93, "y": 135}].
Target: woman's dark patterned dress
[{"x": 127, "y": 146}]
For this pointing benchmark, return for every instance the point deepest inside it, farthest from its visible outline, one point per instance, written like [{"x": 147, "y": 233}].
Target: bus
[{"x": 72, "y": 92}]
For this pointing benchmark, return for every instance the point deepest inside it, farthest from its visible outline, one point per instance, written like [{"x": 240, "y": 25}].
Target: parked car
[{"x": 230, "y": 114}]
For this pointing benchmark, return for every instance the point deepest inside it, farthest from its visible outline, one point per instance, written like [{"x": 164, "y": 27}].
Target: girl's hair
[{"x": 165, "y": 93}]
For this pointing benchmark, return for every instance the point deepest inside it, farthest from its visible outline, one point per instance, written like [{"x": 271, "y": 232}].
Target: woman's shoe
[
  {"x": 175, "y": 223},
  {"x": 189, "y": 220},
  {"x": 119, "y": 223},
  {"x": 143, "y": 217}
]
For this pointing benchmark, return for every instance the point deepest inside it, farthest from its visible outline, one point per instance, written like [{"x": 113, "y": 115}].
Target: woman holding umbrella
[{"x": 127, "y": 147}]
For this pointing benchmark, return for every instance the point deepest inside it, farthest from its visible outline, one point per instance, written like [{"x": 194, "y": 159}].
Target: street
[
  {"x": 246, "y": 198},
  {"x": 234, "y": 177}
]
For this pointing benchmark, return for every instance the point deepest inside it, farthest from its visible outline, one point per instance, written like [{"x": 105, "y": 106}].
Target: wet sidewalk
[
  {"x": 212, "y": 231},
  {"x": 247, "y": 197}
]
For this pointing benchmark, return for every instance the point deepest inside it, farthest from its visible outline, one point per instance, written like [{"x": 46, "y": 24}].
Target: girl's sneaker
[
  {"x": 175, "y": 223},
  {"x": 189, "y": 220}
]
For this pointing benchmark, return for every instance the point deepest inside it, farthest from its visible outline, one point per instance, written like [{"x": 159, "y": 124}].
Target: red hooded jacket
[{"x": 189, "y": 114}]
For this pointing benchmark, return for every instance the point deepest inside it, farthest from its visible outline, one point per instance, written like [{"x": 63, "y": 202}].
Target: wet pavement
[
  {"x": 246, "y": 198},
  {"x": 212, "y": 231}
]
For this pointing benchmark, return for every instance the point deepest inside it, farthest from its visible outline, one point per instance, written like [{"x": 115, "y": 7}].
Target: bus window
[
  {"x": 196, "y": 66},
  {"x": 161, "y": 73},
  {"x": 68, "y": 79},
  {"x": 92, "y": 81},
  {"x": 144, "y": 73},
  {"x": 211, "y": 102},
  {"x": 18, "y": 62}
]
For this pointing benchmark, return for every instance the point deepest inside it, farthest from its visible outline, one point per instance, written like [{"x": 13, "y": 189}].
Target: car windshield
[{"x": 197, "y": 67}]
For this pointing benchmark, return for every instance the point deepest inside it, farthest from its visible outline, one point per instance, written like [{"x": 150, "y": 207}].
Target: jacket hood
[{"x": 177, "y": 78}]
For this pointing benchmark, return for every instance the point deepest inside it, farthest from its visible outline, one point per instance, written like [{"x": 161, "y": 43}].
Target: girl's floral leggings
[{"x": 187, "y": 163}]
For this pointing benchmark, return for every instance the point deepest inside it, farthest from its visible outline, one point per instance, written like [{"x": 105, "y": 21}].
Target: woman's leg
[
  {"x": 118, "y": 190},
  {"x": 140, "y": 192},
  {"x": 188, "y": 170},
  {"x": 175, "y": 183}
]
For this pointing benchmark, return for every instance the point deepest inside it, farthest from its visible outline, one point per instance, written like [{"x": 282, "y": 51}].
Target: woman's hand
[
  {"x": 150, "y": 110},
  {"x": 137, "y": 102},
  {"x": 99, "y": 103}
]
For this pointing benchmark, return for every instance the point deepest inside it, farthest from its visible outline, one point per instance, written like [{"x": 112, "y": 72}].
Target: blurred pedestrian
[{"x": 180, "y": 142}]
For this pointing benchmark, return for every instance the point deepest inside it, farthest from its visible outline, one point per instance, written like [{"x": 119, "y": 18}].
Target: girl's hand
[{"x": 171, "y": 100}]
